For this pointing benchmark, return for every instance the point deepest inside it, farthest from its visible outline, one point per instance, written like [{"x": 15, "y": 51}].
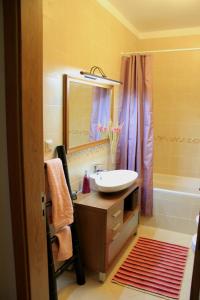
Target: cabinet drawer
[
  {"x": 115, "y": 214},
  {"x": 129, "y": 228},
  {"x": 114, "y": 221}
]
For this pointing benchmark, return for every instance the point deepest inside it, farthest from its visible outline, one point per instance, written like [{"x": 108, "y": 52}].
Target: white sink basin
[{"x": 113, "y": 181}]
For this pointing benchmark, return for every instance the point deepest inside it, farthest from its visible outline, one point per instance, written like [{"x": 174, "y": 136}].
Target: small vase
[{"x": 112, "y": 156}]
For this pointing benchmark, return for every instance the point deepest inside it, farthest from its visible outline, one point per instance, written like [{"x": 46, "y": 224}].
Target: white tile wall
[
  {"x": 79, "y": 161},
  {"x": 174, "y": 211}
]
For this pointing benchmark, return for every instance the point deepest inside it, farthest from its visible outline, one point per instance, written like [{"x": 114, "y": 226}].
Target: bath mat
[{"x": 154, "y": 267}]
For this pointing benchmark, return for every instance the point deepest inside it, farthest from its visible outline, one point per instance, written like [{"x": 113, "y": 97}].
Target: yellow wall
[
  {"x": 176, "y": 93},
  {"x": 77, "y": 35},
  {"x": 170, "y": 43}
]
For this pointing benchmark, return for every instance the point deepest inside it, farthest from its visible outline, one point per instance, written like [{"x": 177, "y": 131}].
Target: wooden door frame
[
  {"x": 24, "y": 121},
  {"x": 23, "y": 77}
]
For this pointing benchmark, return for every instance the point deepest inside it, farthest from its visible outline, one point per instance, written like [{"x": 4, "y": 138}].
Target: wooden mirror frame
[{"x": 66, "y": 82}]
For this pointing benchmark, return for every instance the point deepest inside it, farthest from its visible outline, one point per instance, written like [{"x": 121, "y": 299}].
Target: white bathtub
[{"x": 176, "y": 203}]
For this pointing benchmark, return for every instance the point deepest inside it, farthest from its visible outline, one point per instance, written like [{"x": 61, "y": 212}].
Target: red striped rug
[{"x": 155, "y": 267}]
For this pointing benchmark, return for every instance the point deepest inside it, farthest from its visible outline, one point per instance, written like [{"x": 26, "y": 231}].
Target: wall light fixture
[{"x": 102, "y": 77}]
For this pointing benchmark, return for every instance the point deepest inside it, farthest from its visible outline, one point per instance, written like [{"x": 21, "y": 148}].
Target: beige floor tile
[{"x": 93, "y": 290}]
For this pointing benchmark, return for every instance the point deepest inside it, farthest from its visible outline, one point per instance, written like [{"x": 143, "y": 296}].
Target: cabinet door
[{"x": 92, "y": 236}]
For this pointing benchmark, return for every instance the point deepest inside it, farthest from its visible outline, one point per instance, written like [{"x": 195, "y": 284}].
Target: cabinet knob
[
  {"x": 115, "y": 215},
  {"x": 116, "y": 226},
  {"x": 116, "y": 236}
]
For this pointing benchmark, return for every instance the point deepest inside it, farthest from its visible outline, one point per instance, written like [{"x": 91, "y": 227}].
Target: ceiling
[{"x": 158, "y": 16}]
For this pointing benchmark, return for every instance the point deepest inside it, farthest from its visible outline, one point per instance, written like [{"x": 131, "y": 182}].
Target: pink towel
[
  {"x": 63, "y": 250},
  {"x": 62, "y": 209}
]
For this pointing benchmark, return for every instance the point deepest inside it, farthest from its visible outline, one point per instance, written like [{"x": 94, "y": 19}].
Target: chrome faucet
[{"x": 98, "y": 168}]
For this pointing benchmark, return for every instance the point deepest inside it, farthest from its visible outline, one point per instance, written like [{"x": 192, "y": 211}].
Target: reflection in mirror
[{"x": 88, "y": 105}]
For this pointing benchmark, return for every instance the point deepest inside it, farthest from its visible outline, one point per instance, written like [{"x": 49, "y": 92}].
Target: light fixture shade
[{"x": 99, "y": 78}]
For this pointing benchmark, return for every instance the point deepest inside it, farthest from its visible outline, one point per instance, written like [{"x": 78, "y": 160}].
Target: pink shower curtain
[{"x": 135, "y": 148}]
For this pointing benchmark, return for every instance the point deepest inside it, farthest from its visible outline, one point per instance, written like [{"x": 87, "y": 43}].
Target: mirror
[{"x": 87, "y": 105}]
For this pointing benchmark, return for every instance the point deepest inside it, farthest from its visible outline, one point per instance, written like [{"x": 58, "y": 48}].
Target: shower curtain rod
[{"x": 159, "y": 51}]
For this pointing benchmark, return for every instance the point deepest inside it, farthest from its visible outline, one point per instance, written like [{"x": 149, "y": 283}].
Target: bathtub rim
[
  {"x": 176, "y": 192},
  {"x": 177, "y": 184}
]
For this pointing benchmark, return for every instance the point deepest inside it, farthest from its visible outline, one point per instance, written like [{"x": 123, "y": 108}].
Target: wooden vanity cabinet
[{"x": 105, "y": 223}]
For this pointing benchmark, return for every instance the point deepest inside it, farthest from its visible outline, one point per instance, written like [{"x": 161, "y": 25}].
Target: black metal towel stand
[{"x": 76, "y": 258}]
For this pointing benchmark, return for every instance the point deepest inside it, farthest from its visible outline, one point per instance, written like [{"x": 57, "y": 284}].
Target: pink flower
[
  {"x": 99, "y": 128},
  {"x": 116, "y": 130},
  {"x": 104, "y": 129}
]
